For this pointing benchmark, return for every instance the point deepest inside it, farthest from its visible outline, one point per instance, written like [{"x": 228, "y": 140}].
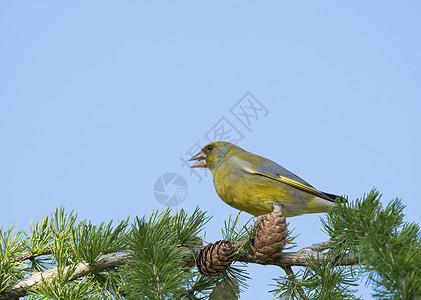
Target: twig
[
  {"x": 318, "y": 247},
  {"x": 291, "y": 275},
  {"x": 29, "y": 255}
]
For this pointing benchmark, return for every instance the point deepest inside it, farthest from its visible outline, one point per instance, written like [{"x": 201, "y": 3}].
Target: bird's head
[{"x": 213, "y": 154}]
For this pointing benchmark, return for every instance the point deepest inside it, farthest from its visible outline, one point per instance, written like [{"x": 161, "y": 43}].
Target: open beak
[{"x": 201, "y": 160}]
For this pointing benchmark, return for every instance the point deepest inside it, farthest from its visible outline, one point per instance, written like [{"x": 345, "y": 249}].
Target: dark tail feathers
[{"x": 333, "y": 197}]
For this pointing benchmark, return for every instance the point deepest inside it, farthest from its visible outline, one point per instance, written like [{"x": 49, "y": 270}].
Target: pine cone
[
  {"x": 270, "y": 238},
  {"x": 215, "y": 258}
]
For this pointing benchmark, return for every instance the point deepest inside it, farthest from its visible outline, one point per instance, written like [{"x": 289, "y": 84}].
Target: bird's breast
[{"x": 244, "y": 192}]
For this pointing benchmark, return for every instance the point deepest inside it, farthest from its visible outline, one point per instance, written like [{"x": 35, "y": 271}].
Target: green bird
[{"x": 258, "y": 185}]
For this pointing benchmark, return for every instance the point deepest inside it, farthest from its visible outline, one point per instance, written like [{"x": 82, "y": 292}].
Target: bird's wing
[{"x": 270, "y": 169}]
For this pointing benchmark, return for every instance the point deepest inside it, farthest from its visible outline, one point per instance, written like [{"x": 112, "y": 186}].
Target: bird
[{"x": 258, "y": 185}]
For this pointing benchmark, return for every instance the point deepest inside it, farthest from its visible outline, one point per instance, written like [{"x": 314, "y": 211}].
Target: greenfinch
[{"x": 258, "y": 185}]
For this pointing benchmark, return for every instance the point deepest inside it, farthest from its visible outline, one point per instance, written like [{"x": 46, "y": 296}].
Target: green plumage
[{"x": 258, "y": 185}]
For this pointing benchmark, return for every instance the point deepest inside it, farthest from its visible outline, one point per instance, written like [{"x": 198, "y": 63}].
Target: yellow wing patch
[
  {"x": 246, "y": 166},
  {"x": 293, "y": 183}
]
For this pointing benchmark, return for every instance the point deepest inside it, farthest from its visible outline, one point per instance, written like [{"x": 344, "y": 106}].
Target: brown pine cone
[
  {"x": 215, "y": 258},
  {"x": 271, "y": 236}
]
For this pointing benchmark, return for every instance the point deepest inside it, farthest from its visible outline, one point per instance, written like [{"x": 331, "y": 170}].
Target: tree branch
[
  {"x": 291, "y": 275},
  {"x": 29, "y": 255},
  {"x": 298, "y": 258},
  {"x": 19, "y": 289},
  {"x": 318, "y": 247},
  {"x": 106, "y": 261}
]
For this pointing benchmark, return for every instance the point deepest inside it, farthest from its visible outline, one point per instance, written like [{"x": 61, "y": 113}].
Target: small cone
[
  {"x": 215, "y": 258},
  {"x": 271, "y": 236}
]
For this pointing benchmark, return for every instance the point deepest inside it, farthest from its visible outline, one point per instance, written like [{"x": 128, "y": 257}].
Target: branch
[
  {"x": 19, "y": 289},
  {"x": 298, "y": 258},
  {"x": 28, "y": 255},
  {"x": 106, "y": 261},
  {"x": 318, "y": 247},
  {"x": 291, "y": 275}
]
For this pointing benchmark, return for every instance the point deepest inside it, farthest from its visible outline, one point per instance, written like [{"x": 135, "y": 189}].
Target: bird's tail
[{"x": 333, "y": 197}]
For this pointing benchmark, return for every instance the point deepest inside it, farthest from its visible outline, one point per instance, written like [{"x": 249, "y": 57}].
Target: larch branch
[{"x": 106, "y": 261}]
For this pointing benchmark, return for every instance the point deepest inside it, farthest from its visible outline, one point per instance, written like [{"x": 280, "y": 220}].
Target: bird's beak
[{"x": 201, "y": 160}]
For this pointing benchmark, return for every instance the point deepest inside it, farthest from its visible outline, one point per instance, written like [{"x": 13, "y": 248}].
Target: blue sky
[{"x": 99, "y": 99}]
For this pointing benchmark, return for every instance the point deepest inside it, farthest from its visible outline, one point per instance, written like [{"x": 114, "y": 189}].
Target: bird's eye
[{"x": 209, "y": 147}]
